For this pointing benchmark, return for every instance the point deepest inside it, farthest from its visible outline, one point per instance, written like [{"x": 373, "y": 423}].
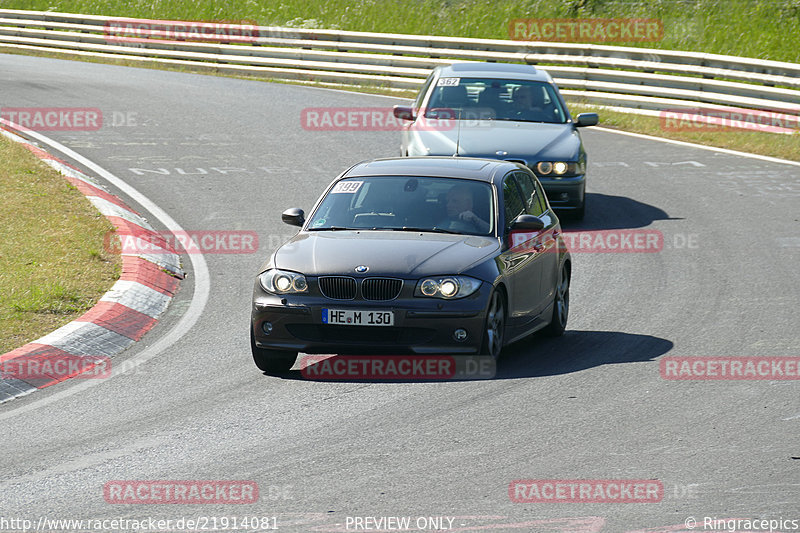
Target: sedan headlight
[
  {"x": 283, "y": 282},
  {"x": 447, "y": 287},
  {"x": 559, "y": 169}
]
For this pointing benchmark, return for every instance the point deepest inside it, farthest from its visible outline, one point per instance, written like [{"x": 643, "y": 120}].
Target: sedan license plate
[{"x": 343, "y": 317}]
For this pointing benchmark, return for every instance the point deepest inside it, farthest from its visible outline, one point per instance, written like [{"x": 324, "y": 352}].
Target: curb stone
[{"x": 122, "y": 316}]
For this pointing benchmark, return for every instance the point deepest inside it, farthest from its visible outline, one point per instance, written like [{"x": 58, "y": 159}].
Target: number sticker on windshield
[
  {"x": 448, "y": 82},
  {"x": 347, "y": 187}
]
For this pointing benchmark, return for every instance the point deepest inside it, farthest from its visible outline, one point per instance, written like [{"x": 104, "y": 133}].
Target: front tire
[
  {"x": 271, "y": 361},
  {"x": 494, "y": 330},
  {"x": 558, "y": 322}
]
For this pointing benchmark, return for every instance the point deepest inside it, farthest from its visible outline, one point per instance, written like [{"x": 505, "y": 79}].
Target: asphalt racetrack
[{"x": 229, "y": 154}]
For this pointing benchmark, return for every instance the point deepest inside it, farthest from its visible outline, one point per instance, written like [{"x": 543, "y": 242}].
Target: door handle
[{"x": 538, "y": 247}]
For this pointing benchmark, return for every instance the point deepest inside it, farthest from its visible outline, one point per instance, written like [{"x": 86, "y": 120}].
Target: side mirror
[
  {"x": 587, "y": 119},
  {"x": 527, "y": 222},
  {"x": 294, "y": 217},
  {"x": 403, "y": 112}
]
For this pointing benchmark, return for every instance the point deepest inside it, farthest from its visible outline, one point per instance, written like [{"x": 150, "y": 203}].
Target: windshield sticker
[
  {"x": 346, "y": 187},
  {"x": 448, "y": 82},
  {"x": 319, "y": 222}
]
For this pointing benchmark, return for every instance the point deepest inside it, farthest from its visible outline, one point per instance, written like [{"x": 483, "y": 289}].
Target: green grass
[
  {"x": 53, "y": 266},
  {"x": 766, "y": 29}
]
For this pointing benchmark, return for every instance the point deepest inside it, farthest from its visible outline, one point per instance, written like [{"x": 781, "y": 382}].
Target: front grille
[
  {"x": 338, "y": 287},
  {"x": 381, "y": 288}
]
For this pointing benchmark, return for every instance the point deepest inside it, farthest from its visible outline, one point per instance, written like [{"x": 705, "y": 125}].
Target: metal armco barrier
[{"x": 640, "y": 79}]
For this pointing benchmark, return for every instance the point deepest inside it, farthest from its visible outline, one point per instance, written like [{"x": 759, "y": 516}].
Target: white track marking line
[{"x": 702, "y": 147}]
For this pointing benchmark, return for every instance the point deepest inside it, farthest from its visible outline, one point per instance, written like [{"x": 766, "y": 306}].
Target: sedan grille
[
  {"x": 338, "y": 287},
  {"x": 381, "y": 288}
]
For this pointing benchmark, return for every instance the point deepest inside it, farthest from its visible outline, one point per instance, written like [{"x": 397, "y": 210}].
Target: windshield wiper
[
  {"x": 430, "y": 230},
  {"x": 524, "y": 120},
  {"x": 404, "y": 228}
]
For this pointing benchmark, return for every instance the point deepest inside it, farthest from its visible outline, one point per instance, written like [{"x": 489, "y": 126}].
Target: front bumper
[
  {"x": 421, "y": 325},
  {"x": 565, "y": 193}
]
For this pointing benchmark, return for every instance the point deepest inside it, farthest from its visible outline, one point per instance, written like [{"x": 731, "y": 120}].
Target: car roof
[
  {"x": 494, "y": 70},
  {"x": 432, "y": 166}
]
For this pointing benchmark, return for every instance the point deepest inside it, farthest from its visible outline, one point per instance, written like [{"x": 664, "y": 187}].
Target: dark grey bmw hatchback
[{"x": 427, "y": 255}]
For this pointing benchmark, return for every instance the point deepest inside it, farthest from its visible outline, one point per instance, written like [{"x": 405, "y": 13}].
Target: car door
[
  {"x": 545, "y": 243},
  {"x": 521, "y": 261}
]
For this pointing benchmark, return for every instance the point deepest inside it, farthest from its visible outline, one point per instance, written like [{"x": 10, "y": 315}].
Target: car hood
[
  {"x": 523, "y": 140},
  {"x": 389, "y": 253}
]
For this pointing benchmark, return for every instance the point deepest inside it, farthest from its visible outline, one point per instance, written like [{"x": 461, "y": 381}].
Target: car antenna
[{"x": 458, "y": 131}]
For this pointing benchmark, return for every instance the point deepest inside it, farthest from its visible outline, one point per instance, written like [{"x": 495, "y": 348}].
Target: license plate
[{"x": 344, "y": 317}]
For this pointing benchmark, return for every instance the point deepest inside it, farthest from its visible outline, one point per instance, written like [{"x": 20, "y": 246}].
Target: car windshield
[
  {"x": 495, "y": 99},
  {"x": 442, "y": 205}
]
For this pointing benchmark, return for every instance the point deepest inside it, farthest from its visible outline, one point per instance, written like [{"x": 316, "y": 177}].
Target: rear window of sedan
[
  {"x": 448, "y": 205},
  {"x": 498, "y": 99}
]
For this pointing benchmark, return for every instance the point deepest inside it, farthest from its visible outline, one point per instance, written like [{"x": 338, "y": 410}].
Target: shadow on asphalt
[
  {"x": 604, "y": 211},
  {"x": 577, "y": 350},
  {"x": 537, "y": 356}
]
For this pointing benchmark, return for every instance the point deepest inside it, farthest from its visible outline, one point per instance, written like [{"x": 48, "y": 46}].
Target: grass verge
[{"x": 53, "y": 266}]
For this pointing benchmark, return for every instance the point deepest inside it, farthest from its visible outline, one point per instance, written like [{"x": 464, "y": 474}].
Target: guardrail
[{"x": 647, "y": 80}]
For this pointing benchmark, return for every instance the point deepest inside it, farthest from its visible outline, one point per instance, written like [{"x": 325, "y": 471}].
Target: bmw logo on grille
[{"x": 361, "y": 269}]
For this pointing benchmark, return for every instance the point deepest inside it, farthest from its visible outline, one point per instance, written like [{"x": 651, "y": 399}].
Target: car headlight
[
  {"x": 559, "y": 169},
  {"x": 447, "y": 287},
  {"x": 283, "y": 282}
]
